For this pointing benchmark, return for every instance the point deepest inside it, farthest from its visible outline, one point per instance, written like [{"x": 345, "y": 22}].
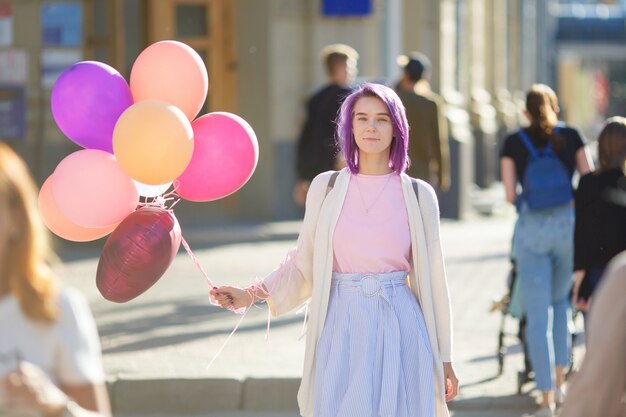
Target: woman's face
[{"x": 372, "y": 126}]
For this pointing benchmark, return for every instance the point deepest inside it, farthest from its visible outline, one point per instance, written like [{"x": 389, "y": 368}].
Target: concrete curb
[
  {"x": 193, "y": 396},
  {"x": 179, "y": 396},
  {"x": 190, "y": 396}
]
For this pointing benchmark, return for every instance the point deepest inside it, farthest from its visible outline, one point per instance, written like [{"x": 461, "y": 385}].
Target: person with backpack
[
  {"x": 370, "y": 265},
  {"x": 543, "y": 158}
]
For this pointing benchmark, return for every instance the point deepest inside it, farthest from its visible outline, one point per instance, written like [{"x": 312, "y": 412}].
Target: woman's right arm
[
  {"x": 289, "y": 285},
  {"x": 581, "y": 239},
  {"x": 509, "y": 178},
  {"x": 584, "y": 163}
]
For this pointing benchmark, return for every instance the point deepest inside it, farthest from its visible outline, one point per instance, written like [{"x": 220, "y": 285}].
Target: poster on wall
[
  {"x": 6, "y": 24},
  {"x": 13, "y": 66},
  {"x": 54, "y": 61},
  {"x": 61, "y": 24},
  {"x": 12, "y": 112}
]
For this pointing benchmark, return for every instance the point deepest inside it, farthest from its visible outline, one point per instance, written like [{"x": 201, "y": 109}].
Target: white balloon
[{"x": 151, "y": 190}]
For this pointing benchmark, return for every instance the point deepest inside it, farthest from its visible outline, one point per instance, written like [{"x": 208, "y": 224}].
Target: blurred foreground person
[
  {"x": 50, "y": 360},
  {"x": 599, "y": 388}
]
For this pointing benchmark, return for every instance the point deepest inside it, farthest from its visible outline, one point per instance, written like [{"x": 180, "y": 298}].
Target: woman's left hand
[{"x": 451, "y": 381}]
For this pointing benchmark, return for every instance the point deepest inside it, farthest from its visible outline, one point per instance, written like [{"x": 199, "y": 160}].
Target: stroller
[{"x": 510, "y": 305}]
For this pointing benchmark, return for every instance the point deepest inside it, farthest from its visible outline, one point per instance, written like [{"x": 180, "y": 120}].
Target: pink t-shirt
[{"x": 376, "y": 241}]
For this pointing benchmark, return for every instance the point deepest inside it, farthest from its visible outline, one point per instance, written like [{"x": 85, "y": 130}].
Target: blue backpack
[{"x": 547, "y": 182}]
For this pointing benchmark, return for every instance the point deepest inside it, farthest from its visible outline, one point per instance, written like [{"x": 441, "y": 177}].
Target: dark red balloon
[{"x": 137, "y": 253}]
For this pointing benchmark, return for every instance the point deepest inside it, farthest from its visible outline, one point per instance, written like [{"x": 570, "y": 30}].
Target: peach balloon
[
  {"x": 153, "y": 142},
  {"x": 173, "y": 72},
  {"x": 91, "y": 189},
  {"x": 60, "y": 225}
]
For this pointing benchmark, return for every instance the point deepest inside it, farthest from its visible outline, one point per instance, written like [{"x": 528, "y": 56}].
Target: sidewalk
[
  {"x": 157, "y": 347},
  {"x": 499, "y": 413}
]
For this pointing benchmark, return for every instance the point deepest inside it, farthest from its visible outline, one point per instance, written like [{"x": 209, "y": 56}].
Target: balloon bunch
[{"x": 140, "y": 139}]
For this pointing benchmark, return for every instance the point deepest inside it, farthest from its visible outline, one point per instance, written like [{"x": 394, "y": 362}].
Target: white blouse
[{"x": 67, "y": 350}]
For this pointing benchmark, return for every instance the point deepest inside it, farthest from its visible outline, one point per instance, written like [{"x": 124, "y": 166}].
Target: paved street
[{"x": 157, "y": 347}]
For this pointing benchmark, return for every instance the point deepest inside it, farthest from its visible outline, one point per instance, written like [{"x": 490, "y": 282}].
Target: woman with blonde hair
[
  {"x": 50, "y": 361},
  {"x": 543, "y": 158},
  {"x": 600, "y": 231}
]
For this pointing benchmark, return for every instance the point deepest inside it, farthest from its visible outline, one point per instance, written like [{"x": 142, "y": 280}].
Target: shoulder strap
[
  {"x": 527, "y": 143},
  {"x": 331, "y": 181},
  {"x": 415, "y": 189}
]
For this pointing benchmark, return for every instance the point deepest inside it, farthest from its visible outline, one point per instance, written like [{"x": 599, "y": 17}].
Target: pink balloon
[
  {"x": 91, "y": 190},
  {"x": 225, "y": 155},
  {"x": 60, "y": 225},
  {"x": 137, "y": 253}
]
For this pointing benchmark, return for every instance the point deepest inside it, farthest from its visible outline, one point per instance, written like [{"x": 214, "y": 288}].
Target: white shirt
[{"x": 67, "y": 350}]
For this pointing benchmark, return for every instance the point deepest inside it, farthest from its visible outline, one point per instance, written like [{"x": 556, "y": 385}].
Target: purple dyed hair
[{"x": 398, "y": 155}]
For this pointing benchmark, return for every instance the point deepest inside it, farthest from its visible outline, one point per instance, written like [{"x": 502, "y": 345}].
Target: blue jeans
[{"x": 544, "y": 250}]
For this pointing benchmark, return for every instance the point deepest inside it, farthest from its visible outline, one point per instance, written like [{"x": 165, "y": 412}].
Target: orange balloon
[
  {"x": 172, "y": 72},
  {"x": 60, "y": 225},
  {"x": 153, "y": 142}
]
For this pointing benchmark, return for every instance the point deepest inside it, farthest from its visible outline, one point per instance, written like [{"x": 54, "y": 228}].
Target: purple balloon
[
  {"x": 86, "y": 102},
  {"x": 137, "y": 253}
]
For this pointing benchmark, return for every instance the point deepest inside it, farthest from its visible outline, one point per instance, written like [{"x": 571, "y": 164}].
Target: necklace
[{"x": 365, "y": 206}]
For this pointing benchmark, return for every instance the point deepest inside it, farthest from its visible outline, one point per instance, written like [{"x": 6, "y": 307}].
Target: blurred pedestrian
[
  {"x": 544, "y": 233},
  {"x": 598, "y": 389},
  {"x": 377, "y": 336},
  {"x": 317, "y": 149},
  {"x": 428, "y": 145},
  {"x": 600, "y": 231},
  {"x": 50, "y": 361}
]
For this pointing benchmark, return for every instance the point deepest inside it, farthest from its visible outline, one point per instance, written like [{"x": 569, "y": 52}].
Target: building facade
[{"x": 263, "y": 61}]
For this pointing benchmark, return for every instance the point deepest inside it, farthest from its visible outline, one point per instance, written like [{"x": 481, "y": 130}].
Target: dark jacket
[
  {"x": 600, "y": 232},
  {"x": 316, "y": 146}
]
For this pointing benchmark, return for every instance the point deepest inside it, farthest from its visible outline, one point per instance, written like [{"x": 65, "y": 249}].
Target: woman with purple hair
[{"x": 369, "y": 263}]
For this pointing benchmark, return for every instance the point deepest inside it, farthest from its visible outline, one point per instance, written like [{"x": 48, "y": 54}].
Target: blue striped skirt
[{"x": 373, "y": 358}]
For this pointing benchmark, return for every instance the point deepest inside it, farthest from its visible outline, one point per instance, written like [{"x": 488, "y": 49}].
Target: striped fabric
[{"x": 373, "y": 357}]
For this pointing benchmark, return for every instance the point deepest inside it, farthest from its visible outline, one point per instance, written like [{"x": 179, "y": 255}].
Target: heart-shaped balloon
[{"x": 137, "y": 253}]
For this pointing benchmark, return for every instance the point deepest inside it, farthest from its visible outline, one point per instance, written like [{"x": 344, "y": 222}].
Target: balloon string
[
  {"x": 161, "y": 201},
  {"x": 243, "y": 316},
  {"x": 172, "y": 193},
  {"x": 243, "y": 311},
  {"x": 199, "y": 266}
]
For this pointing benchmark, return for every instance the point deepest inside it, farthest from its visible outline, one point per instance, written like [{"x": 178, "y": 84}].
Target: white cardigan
[{"x": 305, "y": 275}]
